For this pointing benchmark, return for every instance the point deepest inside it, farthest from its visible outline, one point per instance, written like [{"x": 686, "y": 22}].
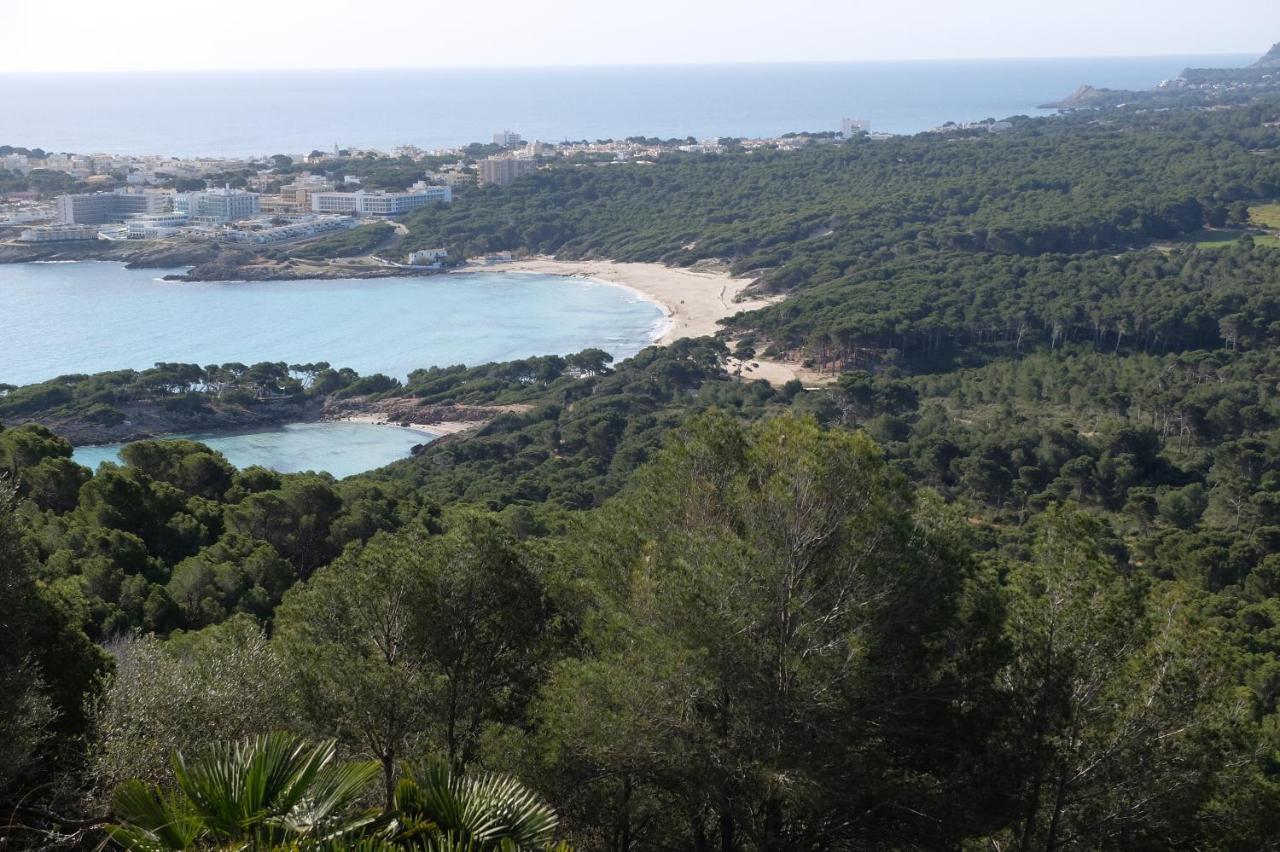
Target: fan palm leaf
[
  {"x": 265, "y": 791},
  {"x": 484, "y": 813}
]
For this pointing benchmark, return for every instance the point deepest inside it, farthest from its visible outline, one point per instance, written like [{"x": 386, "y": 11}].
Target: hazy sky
[{"x": 88, "y": 35}]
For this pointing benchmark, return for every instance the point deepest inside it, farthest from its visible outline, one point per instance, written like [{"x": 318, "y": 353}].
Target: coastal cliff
[{"x": 1271, "y": 59}]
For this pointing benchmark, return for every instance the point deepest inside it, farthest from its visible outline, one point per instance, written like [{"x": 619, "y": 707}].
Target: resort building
[
  {"x": 428, "y": 257},
  {"x": 219, "y": 206},
  {"x": 303, "y": 229},
  {"x": 58, "y": 234},
  {"x": 500, "y": 171},
  {"x": 101, "y": 208},
  {"x": 156, "y": 226},
  {"x": 372, "y": 203},
  {"x": 508, "y": 139}
]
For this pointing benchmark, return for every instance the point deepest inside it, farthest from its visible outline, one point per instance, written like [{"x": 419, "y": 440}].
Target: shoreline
[{"x": 693, "y": 302}]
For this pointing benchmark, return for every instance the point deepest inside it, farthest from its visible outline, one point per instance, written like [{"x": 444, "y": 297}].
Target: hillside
[{"x": 1008, "y": 577}]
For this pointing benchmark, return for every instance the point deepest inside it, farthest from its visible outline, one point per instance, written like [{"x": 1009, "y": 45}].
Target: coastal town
[{"x": 59, "y": 199}]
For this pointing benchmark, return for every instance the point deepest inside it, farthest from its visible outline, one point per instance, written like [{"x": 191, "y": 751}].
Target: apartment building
[
  {"x": 297, "y": 195},
  {"x": 500, "y": 171}
]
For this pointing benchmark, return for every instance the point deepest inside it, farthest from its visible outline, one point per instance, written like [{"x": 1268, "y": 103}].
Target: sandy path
[{"x": 695, "y": 302}]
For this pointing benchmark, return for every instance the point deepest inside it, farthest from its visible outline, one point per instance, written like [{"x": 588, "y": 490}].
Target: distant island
[{"x": 1220, "y": 85}]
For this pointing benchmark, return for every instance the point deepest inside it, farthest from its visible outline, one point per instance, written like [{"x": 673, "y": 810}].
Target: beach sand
[
  {"x": 435, "y": 429},
  {"x": 694, "y": 302}
]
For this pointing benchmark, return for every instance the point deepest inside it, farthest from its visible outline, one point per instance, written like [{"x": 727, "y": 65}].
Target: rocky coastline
[
  {"x": 205, "y": 261},
  {"x": 152, "y": 419}
]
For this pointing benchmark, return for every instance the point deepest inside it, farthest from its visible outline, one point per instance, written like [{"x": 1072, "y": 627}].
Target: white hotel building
[
  {"x": 218, "y": 206},
  {"x": 366, "y": 203}
]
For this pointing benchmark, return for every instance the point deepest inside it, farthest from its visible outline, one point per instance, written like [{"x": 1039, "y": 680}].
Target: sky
[{"x": 153, "y": 35}]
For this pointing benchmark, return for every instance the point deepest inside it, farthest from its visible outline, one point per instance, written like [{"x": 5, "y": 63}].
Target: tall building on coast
[
  {"x": 102, "y": 208},
  {"x": 219, "y": 206},
  {"x": 500, "y": 171},
  {"x": 851, "y": 127}
]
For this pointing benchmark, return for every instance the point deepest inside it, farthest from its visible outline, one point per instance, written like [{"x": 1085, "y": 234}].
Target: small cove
[{"x": 341, "y": 449}]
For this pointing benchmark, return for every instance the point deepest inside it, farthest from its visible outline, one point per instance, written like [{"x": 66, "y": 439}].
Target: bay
[{"x": 62, "y": 318}]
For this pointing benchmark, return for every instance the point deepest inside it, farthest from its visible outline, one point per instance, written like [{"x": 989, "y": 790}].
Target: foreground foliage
[{"x": 277, "y": 792}]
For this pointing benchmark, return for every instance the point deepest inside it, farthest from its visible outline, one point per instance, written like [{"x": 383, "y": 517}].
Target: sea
[{"x": 236, "y": 114}]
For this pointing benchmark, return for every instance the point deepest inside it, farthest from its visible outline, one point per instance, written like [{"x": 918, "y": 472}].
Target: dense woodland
[{"x": 1009, "y": 580}]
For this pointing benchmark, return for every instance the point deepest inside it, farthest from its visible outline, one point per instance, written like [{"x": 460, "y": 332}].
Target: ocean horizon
[{"x": 239, "y": 114}]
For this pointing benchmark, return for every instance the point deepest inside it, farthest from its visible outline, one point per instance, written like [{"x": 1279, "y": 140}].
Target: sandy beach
[
  {"x": 694, "y": 302},
  {"x": 434, "y": 429}
]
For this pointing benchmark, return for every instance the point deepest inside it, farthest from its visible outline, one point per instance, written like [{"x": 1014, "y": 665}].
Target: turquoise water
[
  {"x": 61, "y": 318},
  {"x": 341, "y": 449},
  {"x": 290, "y": 112}
]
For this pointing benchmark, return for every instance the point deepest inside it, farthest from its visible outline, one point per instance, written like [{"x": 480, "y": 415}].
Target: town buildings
[
  {"x": 508, "y": 139},
  {"x": 376, "y": 203},
  {"x": 500, "y": 171}
]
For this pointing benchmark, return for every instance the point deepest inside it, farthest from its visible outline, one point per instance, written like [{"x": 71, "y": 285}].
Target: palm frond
[
  {"x": 150, "y": 820},
  {"x": 493, "y": 813},
  {"x": 267, "y": 792}
]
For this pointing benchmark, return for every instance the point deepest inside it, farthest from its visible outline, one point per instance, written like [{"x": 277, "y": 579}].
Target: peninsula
[{"x": 1194, "y": 86}]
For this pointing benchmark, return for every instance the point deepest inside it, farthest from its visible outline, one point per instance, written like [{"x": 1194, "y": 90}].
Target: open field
[
  {"x": 1213, "y": 239},
  {"x": 1265, "y": 216}
]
